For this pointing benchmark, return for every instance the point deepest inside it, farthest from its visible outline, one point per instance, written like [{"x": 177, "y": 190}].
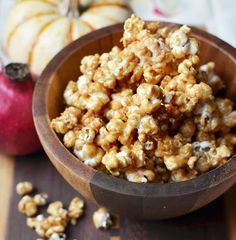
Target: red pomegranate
[{"x": 17, "y": 131}]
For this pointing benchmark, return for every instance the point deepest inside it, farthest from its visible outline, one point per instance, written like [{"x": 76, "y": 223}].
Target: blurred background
[{"x": 216, "y": 16}]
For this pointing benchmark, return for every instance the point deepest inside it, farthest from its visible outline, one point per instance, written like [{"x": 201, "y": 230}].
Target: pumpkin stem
[{"x": 70, "y": 8}]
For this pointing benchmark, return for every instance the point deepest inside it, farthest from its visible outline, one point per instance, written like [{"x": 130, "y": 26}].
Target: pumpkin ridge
[
  {"x": 102, "y": 15},
  {"x": 88, "y": 24},
  {"x": 47, "y": 2},
  {"x": 95, "y": 5},
  {"x": 43, "y": 28},
  {"x": 69, "y": 33},
  {"x": 25, "y": 20}
]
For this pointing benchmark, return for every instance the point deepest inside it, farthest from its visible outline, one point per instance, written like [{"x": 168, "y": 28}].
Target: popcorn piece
[
  {"x": 138, "y": 154},
  {"x": 89, "y": 64},
  {"x": 140, "y": 175},
  {"x": 180, "y": 43},
  {"x": 114, "y": 160},
  {"x": 169, "y": 145},
  {"x": 110, "y": 133},
  {"x": 224, "y": 105},
  {"x": 41, "y": 199},
  {"x": 192, "y": 160},
  {"x": 68, "y": 120},
  {"x": 209, "y": 119},
  {"x": 117, "y": 114},
  {"x": 32, "y": 222},
  {"x": 72, "y": 96},
  {"x": 102, "y": 219},
  {"x": 126, "y": 136},
  {"x": 185, "y": 94},
  {"x": 48, "y": 226},
  {"x": 92, "y": 121},
  {"x": 115, "y": 126},
  {"x": 89, "y": 153},
  {"x": 23, "y": 188},
  {"x": 148, "y": 97},
  {"x": 230, "y": 119},
  {"x": 56, "y": 209},
  {"x": 96, "y": 101},
  {"x": 70, "y": 138},
  {"x": 228, "y": 140},
  {"x": 206, "y": 74},
  {"x": 132, "y": 27},
  {"x": 54, "y": 229},
  {"x": 103, "y": 74},
  {"x": 75, "y": 209},
  {"x": 147, "y": 126},
  {"x": 188, "y": 128},
  {"x": 121, "y": 99},
  {"x": 86, "y": 135},
  {"x": 105, "y": 77},
  {"x": 82, "y": 85},
  {"x": 105, "y": 138},
  {"x": 209, "y": 155},
  {"x": 180, "y": 175},
  {"x": 186, "y": 68},
  {"x": 27, "y": 206},
  {"x": 174, "y": 162}
]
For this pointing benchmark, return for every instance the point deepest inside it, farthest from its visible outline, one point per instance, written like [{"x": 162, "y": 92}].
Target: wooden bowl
[{"x": 144, "y": 201}]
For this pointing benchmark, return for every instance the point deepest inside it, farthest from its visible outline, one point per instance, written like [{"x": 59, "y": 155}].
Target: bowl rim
[{"x": 107, "y": 182}]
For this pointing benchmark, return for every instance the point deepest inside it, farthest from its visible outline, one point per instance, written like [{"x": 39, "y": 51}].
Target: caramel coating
[{"x": 148, "y": 112}]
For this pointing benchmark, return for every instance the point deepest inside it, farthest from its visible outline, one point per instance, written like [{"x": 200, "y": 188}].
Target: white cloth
[{"x": 216, "y": 16}]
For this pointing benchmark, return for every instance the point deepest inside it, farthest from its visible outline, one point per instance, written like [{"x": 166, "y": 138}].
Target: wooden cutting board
[{"x": 216, "y": 221}]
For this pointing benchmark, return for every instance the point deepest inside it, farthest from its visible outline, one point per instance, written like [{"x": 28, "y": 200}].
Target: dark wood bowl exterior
[{"x": 144, "y": 201}]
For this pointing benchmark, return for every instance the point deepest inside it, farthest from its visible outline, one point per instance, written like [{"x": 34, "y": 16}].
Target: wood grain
[
  {"x": 120, "y": 196},
  {"x": 230, "y": 211},
  {"x": 6, "y": 182},
  {"x": 39, "y": 170},
  {"x": 209, "y": 223}
]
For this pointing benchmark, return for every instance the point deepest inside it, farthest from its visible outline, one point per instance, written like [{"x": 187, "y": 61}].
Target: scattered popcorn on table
[
  {"x": 102, "y": 219},
  {"x": 23, "y": 188},
  {"x": 27, "y": 206},
  {"x": 41, "y": 199},
  {"x": 53, "y": 225},
  {"x": 75, "y": 209},
  {"x": 149, "y": 111}
]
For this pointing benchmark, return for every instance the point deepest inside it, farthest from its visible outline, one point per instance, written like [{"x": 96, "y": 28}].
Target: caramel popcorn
[
  {"x": 27, "y": 206},
  {"x": 56, "y": 209},
  {"x": 68, "y": 120},
  {"x": 115, "y": 161},
  {"x": 41, "y": 199},
  {"x": 140, "y": 175},
  {"x": 148, "y": 112},
  {"x": 53, "y": 225},
  {"x": 23, "y": 188},
  {"x": 75, "y": 209},
  {"x": 47, "y": 226},
  {"x": 102, "y": 219}
]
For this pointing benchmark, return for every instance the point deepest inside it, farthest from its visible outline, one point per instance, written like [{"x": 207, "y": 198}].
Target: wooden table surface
[{"x": 217, "y": 221}]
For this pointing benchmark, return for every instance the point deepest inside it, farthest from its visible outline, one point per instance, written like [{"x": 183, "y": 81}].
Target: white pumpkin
[{"x": 38, "y": 29}]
